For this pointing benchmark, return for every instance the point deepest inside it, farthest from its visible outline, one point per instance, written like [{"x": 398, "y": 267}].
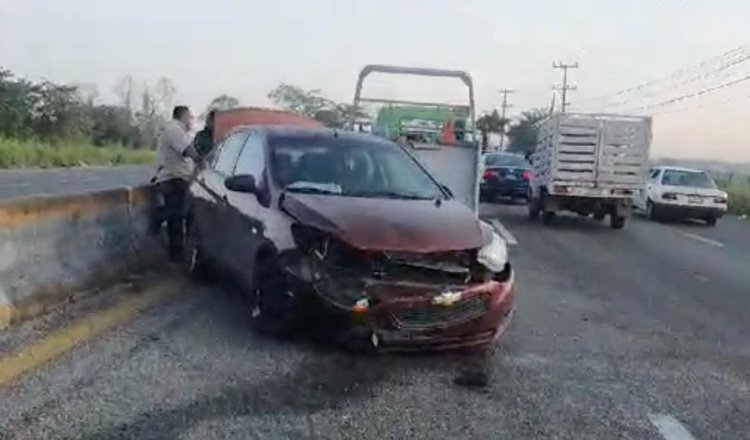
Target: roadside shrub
[{"x": 31, "y": 153}]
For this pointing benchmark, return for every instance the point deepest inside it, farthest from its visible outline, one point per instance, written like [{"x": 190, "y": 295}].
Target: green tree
[
  {"x": 298, "y": 100},
  {"x": 18, "y": 99},
  {"x": 223, "y": 102},
  {"x": 523, "y": 133},
  {"x": 313, "y": 104},
  {"x": 490, "y": 123},
  {"x": 58, "y": 113}
]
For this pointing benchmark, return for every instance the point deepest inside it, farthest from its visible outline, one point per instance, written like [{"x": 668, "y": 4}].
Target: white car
[{"x": 674, "y": 192}]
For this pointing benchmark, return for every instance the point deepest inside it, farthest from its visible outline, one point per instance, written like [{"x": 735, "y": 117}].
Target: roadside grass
[
  {"x": 739, "y": 195},
  {"x": 35, "y": 154}
]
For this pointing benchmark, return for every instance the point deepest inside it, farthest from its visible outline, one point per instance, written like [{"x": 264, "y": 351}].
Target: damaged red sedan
[{"x": 351, "y": 228}]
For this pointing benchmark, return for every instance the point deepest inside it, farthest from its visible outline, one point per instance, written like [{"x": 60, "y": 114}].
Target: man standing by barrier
[{"x": 175, "y": 157}]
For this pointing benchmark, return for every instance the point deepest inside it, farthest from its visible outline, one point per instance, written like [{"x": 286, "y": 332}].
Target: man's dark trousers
[{"x": 174, "y": 193}]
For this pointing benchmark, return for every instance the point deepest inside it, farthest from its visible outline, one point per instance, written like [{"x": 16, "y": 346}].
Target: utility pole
[
  {"x": 505, "y": 107},
  {"x": 565, "y": 87}
]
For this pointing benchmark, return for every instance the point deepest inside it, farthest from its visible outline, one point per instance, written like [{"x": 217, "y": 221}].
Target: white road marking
[
  {"x": 15, "y": 184},
  {"x": 507, "y": 236},
  {"x": 697, "y": 237},
  {"x": 669, "y": 427}
]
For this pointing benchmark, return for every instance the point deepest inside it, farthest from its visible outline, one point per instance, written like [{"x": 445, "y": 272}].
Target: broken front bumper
[{"x": 409, "y": 316}]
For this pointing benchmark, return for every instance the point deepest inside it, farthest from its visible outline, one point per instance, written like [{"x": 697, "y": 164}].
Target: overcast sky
[{"x": 246, "y": 47}]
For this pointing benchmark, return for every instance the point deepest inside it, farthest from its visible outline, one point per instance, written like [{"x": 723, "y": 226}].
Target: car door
[
  {"x": 211, "y": 210},
  {"x": 243, "y": 223}
]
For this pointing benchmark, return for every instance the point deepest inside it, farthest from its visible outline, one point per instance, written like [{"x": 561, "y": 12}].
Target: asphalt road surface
[
  {"x": 640, "y": 334},
  {"x": 23, "y": 183}
]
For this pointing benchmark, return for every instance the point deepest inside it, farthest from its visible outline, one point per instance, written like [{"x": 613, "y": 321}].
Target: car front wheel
[
  {"x": 711, "y": 221},
  {"x": 270, "y": 300},
  {"x": 197, "y": 265}
]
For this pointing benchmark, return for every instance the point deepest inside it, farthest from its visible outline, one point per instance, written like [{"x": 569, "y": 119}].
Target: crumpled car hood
[{"x": 389, "y": 224}]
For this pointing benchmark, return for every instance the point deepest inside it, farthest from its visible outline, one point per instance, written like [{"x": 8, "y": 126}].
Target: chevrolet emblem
[{"x": 446, "y": 299}]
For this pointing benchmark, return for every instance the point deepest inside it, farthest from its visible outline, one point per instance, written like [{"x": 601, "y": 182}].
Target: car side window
[
  {"x": 228, "y": 153},
  {"x": 654, "y": 174},
  {"x": 252, "y": 160}
]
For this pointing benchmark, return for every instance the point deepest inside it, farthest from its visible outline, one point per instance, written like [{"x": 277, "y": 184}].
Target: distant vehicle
[
  {"x": 589, "y": 164},
  {"x": 681, "y": 193},
  {"x": 505, "y": 175},
  {"x": 351, "y": 228}
]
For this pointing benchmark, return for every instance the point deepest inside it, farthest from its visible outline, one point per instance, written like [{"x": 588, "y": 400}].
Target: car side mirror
[
  {"x": 447, "y": 190},
  {"x": 244, "y": 183}
]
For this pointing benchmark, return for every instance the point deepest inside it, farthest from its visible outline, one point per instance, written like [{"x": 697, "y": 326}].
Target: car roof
[{"x": 674, "y": 168}]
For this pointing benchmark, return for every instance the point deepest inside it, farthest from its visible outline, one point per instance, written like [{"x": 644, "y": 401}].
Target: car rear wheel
[
  {"x": 651, "y": 213},
  {"x": 270, "y": 300},
  {"x": 617, "y": 221}
]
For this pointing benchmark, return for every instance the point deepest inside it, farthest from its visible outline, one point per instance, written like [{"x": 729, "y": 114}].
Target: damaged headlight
[{"x": 494, "y": 255}]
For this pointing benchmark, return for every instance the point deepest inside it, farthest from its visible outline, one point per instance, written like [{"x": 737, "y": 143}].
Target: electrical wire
[
  {"x": 726, "y": 68},
  {"x": 729, "y": 57},
  {"x": 691, "y": 95}
]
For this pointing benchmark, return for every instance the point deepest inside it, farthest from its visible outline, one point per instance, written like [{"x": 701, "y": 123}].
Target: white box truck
[{"x": 589, "y": 164}]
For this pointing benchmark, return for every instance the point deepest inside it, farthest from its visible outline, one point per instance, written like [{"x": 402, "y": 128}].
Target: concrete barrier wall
[{"x": 52, "y": 247}]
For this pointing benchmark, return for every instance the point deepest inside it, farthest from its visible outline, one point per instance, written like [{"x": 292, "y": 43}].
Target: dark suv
[{"x": 350, "y": 226}]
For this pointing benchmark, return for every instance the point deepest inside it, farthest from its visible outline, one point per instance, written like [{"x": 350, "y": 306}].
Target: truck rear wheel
[
  {"x": 617, "y": 221},
  {"x": 547, "y": 217}
]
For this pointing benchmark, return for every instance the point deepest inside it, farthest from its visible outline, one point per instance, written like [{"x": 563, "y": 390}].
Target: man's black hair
[
  {"x": 179, "y": 110},
  {"x": 211, "y": 115}
]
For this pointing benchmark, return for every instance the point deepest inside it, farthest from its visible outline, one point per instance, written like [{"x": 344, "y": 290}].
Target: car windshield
[
  {"x": 349, "y": 167},
  {"x": 505, "y": 160},
  {"x": 694, "y": 179}
]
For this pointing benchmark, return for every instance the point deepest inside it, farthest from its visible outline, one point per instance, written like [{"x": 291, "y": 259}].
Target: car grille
[{"x": 432, "y": 315}]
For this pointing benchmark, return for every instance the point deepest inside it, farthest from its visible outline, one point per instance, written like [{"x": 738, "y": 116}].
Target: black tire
[
  {"x": 651, "y": 213},
  {"x": 196, "y": 262},
  {"x": 533, "y": 208},
  {"x": 270, "y": 303},
  {"x": 598, "y": 216},
  {"x": 711, "y": 221},
  {"x": 617, "y": 221},
  {"x": 548, "y": 217}
]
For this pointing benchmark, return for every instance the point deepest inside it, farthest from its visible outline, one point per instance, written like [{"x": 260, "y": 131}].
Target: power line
[
  {"x": 727, "y": 55},
  {"x": 565, "y": 87},
  {"x": 695, "y": 107},
  {"x": 727, "y": 65},
  {"x": 505, "y": 106},
  {"x": 693, "y": 94}
]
